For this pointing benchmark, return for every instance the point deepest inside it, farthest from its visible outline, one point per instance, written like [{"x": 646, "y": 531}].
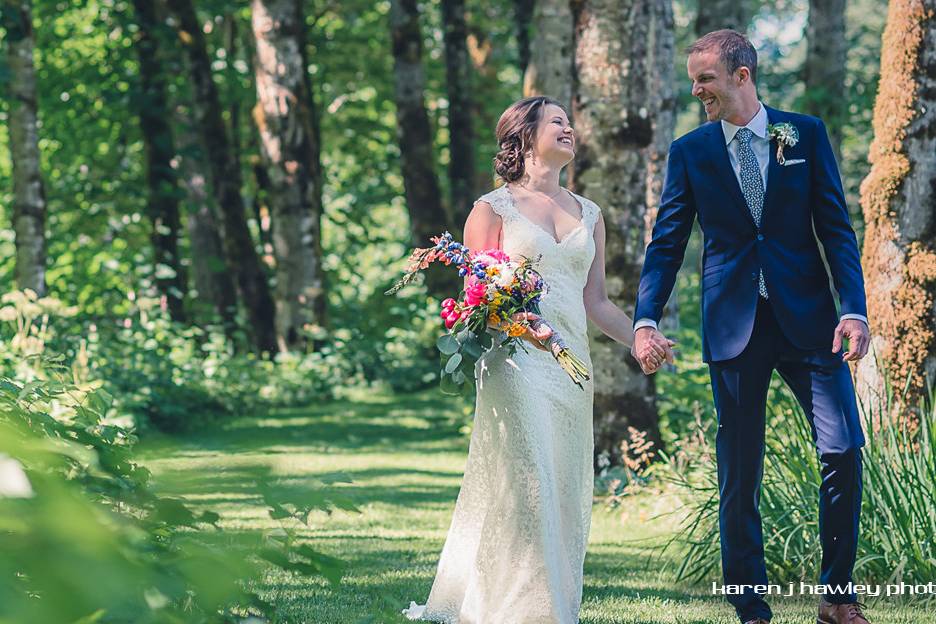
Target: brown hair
[
  {"x": 734, "y": 50},
  {"x": 516, "y": 131}
]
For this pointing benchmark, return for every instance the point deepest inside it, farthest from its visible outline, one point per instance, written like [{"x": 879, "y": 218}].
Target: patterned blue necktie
[{"x": 752, "y": 186}]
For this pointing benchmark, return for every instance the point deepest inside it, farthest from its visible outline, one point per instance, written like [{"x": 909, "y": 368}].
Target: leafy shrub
[
  {"x": 176, "y": 379},
  {"x": 85, "y": 538}
]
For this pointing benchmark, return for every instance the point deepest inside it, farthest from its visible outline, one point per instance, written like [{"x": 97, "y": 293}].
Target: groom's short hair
[{"x": 734, "y": 49}]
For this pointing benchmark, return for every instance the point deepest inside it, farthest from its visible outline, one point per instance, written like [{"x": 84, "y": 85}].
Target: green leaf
[
  {"x": 472, "y": 348},
  {"x": 453, "y": 363},
  {"x": 447, "y": 344},
  {"x": 447, "y": 386}
]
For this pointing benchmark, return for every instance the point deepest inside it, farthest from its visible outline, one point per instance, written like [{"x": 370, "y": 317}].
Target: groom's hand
[
  {"x": 858, "y": 336},
  {"x": 651, "y": 349}
]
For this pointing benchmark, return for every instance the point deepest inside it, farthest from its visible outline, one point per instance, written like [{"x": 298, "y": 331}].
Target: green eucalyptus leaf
[
  {"x": 447, "y": 344},
  {"x": 453, "y": 363}
]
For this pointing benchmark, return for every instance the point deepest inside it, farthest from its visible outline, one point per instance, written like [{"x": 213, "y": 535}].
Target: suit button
[
  {"x": 753, "y": 277},
  {"x": 760, "y": 237}
]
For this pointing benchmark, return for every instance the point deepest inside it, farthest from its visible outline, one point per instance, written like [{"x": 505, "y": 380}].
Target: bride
[{"x": 516, "y": 545}]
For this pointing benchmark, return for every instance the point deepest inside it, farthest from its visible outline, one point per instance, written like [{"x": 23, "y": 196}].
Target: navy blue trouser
[{"x": 822, "y": 384}]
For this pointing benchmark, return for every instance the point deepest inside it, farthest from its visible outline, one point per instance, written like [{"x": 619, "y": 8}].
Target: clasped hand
[{"x": 651, "y": 349}]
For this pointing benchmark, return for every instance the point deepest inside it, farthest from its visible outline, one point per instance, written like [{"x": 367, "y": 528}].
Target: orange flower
[{"x": 515, "y": 330}]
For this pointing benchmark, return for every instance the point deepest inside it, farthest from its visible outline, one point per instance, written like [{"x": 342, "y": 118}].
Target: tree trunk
[
  {"x": 288, "y": 142},
  {"x": 259, "y": 205},
  {"x": 239, "y": 252},
  {"x": 423, "y": 198},
  {"x": 213, "y": 283},
  {"x": 663, "y": 101},
  {"x": 621, "y": 130},
  {"x": 523, "y": 16},
  {"x": 29, "y": 203},
  {"x": 824, "y": 71},
  {"x": 458, "y": 88},
  {"x": 718, "y": 14},
  {"x": 551, "y": 65},
  {"x": 162, "y": 202},
  {"x": 898, "y": 199},
  {"x": 715, "y": 15}
]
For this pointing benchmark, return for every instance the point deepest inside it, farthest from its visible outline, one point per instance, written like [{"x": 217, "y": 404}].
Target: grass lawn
[{"x": 405, "y": 456}]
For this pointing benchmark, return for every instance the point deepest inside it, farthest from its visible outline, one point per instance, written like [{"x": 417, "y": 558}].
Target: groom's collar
[{"x": 757, "y": 125}]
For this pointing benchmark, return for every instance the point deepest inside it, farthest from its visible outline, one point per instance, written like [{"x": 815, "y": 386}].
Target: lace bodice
[{"x": 563, "y": 264}]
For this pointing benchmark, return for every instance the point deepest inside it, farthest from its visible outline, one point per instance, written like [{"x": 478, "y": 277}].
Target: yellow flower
[
  {"x": 516, "y": 329},
  {"x": 493, "y": 319}
]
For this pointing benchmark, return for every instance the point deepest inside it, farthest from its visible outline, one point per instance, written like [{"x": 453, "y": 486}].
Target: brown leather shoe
[{"x": 848, "y": 613}]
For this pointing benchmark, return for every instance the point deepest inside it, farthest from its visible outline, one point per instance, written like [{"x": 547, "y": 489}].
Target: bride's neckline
[{"x": 551, "y": 235}]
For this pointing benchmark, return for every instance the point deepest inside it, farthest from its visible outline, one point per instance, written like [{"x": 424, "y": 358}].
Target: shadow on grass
[{"x": 356, "y": 427}]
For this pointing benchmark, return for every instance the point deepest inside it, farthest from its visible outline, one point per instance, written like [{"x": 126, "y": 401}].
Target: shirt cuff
[
  {"x": 857, "y": 317},
  {"x": 645, "y": 322}
]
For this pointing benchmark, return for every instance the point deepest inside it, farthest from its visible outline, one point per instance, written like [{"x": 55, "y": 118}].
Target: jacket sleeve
[
  {"x": 667, "y": 247},
  {"x": 833, "y": 227}
]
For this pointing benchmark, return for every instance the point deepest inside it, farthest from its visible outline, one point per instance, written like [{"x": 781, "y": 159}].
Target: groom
[{"x": 766, "y": 305}]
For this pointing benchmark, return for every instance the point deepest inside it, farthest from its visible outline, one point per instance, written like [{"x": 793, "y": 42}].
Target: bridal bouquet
[{"x": 498, "y": 291}]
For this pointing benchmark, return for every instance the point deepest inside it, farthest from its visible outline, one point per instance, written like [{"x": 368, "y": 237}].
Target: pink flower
[
  {"x": 474, "y": 294},
  {"x": 490, "y": 256}
]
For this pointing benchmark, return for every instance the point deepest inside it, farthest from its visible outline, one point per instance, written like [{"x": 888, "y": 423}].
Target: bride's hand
[{"x": 536, "y": 337}]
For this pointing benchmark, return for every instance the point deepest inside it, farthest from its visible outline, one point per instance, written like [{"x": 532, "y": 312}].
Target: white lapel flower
[{"x": 785, "y": 134}]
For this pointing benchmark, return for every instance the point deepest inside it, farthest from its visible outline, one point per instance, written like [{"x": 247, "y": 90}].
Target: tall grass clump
[{"x": 898, "y": 520}]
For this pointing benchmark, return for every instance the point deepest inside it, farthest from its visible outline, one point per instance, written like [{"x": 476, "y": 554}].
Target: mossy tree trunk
[{"x": 898, "y": 198}]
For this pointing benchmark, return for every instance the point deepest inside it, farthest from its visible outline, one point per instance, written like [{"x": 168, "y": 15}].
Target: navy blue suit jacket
[{"x": 700, "y": 182}]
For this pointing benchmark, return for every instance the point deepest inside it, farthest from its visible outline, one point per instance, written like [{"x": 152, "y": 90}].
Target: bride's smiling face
[{"x": 555, "y": 140}]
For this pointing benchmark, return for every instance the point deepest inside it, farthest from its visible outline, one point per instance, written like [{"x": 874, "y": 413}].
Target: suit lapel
[
  {"x": 718, "y": 153},
  {"x": 775, "y": 172}
]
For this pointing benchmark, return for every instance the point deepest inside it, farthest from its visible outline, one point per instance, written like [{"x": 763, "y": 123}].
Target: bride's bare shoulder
[{"x": 482, "y": 227}]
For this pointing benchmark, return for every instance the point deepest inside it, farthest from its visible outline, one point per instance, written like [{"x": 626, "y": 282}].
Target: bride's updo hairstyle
[{"x": 516, "y": 131}]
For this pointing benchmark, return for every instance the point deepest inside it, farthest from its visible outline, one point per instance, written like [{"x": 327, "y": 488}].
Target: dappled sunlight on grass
[{"x": 405, "y": 460}]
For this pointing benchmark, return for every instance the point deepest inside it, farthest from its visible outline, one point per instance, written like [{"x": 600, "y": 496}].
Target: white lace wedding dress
[{"x": 516, "y": 546}]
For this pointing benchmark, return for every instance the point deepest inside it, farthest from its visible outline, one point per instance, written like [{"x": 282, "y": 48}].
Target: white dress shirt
[{"x": 760, "y": 145}]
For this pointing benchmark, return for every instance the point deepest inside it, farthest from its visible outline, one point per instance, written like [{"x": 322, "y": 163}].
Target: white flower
[
  {"x": 505, "y": 273},
  {"x": 13, "y": 480},
  {"x": 785, "y": 134}
]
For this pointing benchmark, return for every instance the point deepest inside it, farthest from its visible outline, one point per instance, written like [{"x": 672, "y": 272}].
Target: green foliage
[
  {"x": 169, "y": 377},
  {"x": 87, "y": 538},
  {"x": 899, "y": 503}
]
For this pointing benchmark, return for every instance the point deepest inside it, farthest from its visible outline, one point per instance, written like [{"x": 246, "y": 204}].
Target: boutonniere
[{"x": 785, "y": 134}]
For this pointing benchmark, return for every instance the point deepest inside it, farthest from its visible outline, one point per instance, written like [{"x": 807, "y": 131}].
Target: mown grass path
[{"x": 405, "y": 456}]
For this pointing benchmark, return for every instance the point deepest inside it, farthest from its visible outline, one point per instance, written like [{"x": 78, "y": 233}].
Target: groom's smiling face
[{"x": 720, "y": 92}]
